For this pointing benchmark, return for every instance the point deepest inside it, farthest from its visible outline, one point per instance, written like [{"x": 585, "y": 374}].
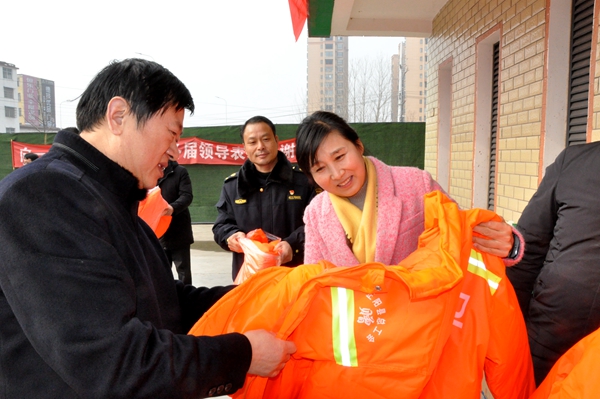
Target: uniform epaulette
[{"x": 231, "y": 176}]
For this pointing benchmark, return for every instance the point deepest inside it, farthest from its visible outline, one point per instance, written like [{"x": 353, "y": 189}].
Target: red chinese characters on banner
[{"x": 192, "y": 151}]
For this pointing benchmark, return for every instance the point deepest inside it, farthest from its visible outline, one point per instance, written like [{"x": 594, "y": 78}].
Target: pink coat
[{"x": 400, "y": 219}]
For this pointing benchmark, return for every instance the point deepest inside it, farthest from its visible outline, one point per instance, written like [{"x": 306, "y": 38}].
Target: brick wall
[{"x": 522, "y": 31}]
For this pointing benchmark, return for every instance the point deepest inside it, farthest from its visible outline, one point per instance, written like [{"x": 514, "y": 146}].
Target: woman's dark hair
[
  {"x": 311, "y": 133},
  {"x": 148, "y": 88}
]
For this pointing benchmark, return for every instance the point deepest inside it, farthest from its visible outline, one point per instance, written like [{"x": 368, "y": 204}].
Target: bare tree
[{"x": 369, "y": 90}]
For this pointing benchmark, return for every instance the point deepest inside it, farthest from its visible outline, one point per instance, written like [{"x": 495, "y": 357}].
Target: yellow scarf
[{"x": 360, "y": 226}]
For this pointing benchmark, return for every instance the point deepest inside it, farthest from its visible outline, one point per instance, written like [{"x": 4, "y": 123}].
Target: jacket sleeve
[
  {"x": 75, "y": 301},
  {"x": 508, "y": 366},
  {"x": 297, "y": 239},
  {"x": 225, "y": 224},
  {"x": 314, "y": 246},
  {"x": 186, "y": 194},
  {"x": 536, "y": 225}
]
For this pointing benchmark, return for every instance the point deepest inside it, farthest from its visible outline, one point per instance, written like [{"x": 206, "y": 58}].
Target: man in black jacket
[
  {"x": 558, "y": 280},
  {"x": 176, "y": 189},
  {"x": 88, "y": 304},
  {"x": 266, "y": 193}
]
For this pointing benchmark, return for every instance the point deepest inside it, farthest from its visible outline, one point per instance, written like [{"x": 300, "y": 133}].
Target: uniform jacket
[
  {"x": 422, "y": 329},
  {"x": 575, "y": 374},
  {"x": 558, "y": 279},
  {"x": 88, "y": 304},
  {"x": 277, "y": 208},
  {"x": 176, "y": 189}
]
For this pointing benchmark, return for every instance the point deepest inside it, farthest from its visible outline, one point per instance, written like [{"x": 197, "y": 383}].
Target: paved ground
[{"x": 211, "y": 265}]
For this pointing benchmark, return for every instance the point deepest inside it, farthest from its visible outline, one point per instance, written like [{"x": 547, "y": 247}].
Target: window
[
  {"x": 9, "y": 92},
  {"x": 7, "y": 73},
  {"x": 329, "y": 46},
  {"x": 328, "y": 62},
  {"x": 329, "y": 108},
  {"x": 328, "y": 77},
  {"x": 329, "y": 69},
  {"x": 10, "y": 112},
  {"x": 339, "y": 38},
  {"x": 340, "y": 53},
  {"x": 328, "y": 53},
  {"x": 10, "y": 130},
  {"x": 339, "y": 69},
  {"x": 328, "y": 84}
]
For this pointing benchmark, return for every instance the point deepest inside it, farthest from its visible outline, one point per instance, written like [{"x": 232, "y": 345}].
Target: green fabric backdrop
[{"x": 401, "y": 144}]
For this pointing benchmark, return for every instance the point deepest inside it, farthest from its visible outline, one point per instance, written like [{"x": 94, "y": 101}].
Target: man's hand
[
  {"x": 269, "y": 354},
  {"x": 168, "y": 211},
  {"x": 233, "y": 243},
  {"x": 285, "y": 251},
  {"x": 498, "y": 238}
]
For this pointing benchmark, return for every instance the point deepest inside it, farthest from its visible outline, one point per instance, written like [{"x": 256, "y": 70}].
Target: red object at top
[{"x": 299, "y": 12}]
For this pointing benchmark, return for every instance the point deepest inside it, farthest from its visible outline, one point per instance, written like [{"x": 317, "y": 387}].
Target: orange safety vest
[
  {"x": 150, "y": 209},
  {"x": 575, "y": 374},
  {"x": 376, "y": 331}
]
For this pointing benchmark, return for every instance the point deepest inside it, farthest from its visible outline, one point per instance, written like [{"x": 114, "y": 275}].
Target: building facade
[
  {"x": 327, "y": 73},
  {"x": 409, "y": 81},
  {"x": 511, "y": 83},
  {"x": 9, "y": 104},
  {"x": 37, "y": 107}
]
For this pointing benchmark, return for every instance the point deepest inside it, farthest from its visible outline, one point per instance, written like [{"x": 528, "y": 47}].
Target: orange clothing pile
[
  {"x": 575, "y": 374},
  {"x": 151, "y": 211},
  {"x": 259, "y": 253},
  {"x": 377, "y": 331}
]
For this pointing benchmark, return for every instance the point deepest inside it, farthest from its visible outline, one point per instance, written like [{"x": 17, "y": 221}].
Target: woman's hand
[{"x": 498, "y": 238}]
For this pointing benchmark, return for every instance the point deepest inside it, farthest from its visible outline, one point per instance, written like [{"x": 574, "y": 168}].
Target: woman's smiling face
[{"x": 339, "y": 167}]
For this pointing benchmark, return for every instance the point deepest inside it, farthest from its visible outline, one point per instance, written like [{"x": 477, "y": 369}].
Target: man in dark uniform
[{"x": 268, "y": 193}]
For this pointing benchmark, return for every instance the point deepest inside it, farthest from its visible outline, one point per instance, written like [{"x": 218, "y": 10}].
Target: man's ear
[{"x": 116, "y": 111}]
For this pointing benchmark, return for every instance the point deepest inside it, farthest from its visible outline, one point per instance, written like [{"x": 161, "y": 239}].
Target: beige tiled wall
[{"x": 522, "y": 25}]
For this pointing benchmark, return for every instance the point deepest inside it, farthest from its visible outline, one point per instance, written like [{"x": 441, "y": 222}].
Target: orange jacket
[
  {"x": 376, "y": 331},
  {"x": 575, "y": 374},
  {"x": 150, "y": 209}
]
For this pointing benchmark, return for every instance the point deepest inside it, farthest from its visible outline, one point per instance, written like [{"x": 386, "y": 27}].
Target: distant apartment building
[
  {"x": 9, "y": 105},
  {"x": 37, "y": 108},
  {"x": 328, "y": 75},
  {"x": 409, "y": 81}
]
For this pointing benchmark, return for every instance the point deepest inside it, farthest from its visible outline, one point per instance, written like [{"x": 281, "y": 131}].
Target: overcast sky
[{"x": 238, "y": 58}]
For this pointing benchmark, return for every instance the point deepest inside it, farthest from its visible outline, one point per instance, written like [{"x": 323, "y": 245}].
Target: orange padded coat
[
  {"x": 377, "y": 331},
  {"x": 575, "y": 374}
]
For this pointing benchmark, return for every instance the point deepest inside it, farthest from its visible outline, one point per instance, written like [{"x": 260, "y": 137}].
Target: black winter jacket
[
  {"x": 558, "y": 279},
  {"x": 176, "y": 189},
  {"x": 88, "y": 304},
  {"x": 277, "y": 207}
]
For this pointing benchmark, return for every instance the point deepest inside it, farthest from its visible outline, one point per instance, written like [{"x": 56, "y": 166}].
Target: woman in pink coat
[{"x": 369, "y": 211}]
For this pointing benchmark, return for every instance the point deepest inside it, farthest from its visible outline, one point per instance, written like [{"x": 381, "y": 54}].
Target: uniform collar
[{"x": 247, "y": 180}]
